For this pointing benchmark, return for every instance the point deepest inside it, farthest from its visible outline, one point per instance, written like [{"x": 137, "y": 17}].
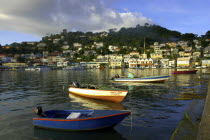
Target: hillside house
[{"x": 156, "y": 55}]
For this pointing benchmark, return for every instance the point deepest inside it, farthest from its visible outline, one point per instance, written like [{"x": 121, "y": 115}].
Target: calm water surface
[{"x": 157, "y": 109}]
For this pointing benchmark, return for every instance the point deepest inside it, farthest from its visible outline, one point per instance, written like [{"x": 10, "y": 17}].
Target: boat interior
[{"x": 68, "y": 114}]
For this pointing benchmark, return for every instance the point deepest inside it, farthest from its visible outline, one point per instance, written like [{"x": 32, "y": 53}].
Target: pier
[{"x": 204, "y": 128}]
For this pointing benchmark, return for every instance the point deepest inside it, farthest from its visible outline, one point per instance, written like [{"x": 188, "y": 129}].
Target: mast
[
  {"x": 144, "y": 45},
  {"x": 144, "y": 54}
]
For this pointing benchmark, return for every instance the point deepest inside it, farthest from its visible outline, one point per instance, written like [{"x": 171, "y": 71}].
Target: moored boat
[
  {"x": 30, "y": 69},
  {"x": 42, "y": 68},
  {"x": 131, "y": 78},
  {"x": 78, "y": 120},
  {"x": 184, "y": 72},
  {"x": 74, "y": 68},
  {"x": 149, "y": 79},
  {"x": 98, "y": 93}
]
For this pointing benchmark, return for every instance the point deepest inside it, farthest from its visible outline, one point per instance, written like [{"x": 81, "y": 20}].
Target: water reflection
[
  {"x": 105, "y": 134},
  {"x": 95, "y": 104},
  {"x": 157, "y": 108}
]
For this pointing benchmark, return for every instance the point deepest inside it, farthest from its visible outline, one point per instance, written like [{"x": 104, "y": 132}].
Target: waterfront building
[
  {"x": 91, "y": 65},
  {"x": 205, "y": 63},
  {"x": 183, "y": 61},
  {"x": 133, "y": 63},
  {"x": 15, "y": 65},
  {"x": 116, "y": 64},
  {"x": 83, "y": 64},
  {"x": 62, "y": 64},
  {"x": 126, "y": 58},
  {"x": 164, "y": 63},
  {"x": 147, "y": 63},
  {"x": 172, "y": 63}
]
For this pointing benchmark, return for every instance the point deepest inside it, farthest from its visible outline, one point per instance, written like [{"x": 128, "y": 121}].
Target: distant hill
[{"x": 133, "y": 36}]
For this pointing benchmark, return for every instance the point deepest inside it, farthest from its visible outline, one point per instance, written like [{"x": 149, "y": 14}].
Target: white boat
[
  {"x": 30, "y": 69},
  {"x": 149, "y": 79},
  {"x": 131, "y": 78},
  {"x": 42, "y": 68},
  {"x": 97, "y": 93},
  {"x": 74, "y": 68}
]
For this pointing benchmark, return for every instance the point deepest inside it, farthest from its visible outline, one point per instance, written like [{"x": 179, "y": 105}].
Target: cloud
[{"x": 39, "y": 17}]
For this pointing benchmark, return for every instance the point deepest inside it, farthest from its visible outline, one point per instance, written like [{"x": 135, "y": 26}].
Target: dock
[{"x": 204, "y": 127}]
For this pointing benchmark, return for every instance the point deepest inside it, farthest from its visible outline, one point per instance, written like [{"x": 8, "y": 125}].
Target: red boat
[{"x": 184, "y": 72}]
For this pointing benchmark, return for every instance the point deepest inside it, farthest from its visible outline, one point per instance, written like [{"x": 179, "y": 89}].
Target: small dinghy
[
  {"x": 98, "y": 93},
  {"x": 78, "y": 120}
]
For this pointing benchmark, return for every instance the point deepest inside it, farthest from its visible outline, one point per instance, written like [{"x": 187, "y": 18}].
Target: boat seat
[
  {"x": 90, "y": 114},
  {"x": 74, "y": 115}
]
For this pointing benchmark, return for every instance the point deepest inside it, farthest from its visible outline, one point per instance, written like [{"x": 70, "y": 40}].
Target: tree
[
  {"x": 188, "y": 37},
  {"x": 208, "y": 34}
]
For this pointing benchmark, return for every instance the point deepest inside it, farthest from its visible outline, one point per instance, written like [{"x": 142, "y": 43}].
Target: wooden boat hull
[
  {"x": 98, "y": 120},
  {"x": 184, "y": 72},
  {"x": 110, "y": 95},
  {"x": 151, "y": 79}
]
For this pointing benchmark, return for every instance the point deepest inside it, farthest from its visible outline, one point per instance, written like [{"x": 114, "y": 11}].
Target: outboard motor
[
  {"x": 38, "y": 110},
  {"x": 75, "y": 84},
  {"x": 116, "y": 76}
]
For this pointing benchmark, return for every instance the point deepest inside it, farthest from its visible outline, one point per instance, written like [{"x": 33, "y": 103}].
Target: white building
[
  {"x": 183, "y": 61},
  {"x": 65, "y": 47},
  {"x": 77, "y": 45},
  {"x": 98, "y": 45},
  {"x": 164, "y": 62},
  {"x": 133, "y": 63},
  {"x": 205, "y": 63},
  {"x": 112, "y": 48}
]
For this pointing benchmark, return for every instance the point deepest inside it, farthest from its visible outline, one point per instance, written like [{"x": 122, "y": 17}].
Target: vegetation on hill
[{"x": 132, "y": 37}]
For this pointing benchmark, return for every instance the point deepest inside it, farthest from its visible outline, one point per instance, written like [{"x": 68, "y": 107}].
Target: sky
[{"x": 30, "y": 20}]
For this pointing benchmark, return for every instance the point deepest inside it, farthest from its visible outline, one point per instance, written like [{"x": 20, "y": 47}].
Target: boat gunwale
[
  {"x": 85, "y": 119},
  {"x": 184, "y": 72},
  {"x": 99, "y": 89},
  {"x": 145, "y": 78}
]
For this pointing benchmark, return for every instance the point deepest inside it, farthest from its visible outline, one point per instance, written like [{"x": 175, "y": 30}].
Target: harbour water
[{"x": 157, "y": 108}]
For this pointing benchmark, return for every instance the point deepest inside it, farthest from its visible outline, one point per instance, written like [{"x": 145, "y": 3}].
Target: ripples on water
[{"x": 156, "y": 108}]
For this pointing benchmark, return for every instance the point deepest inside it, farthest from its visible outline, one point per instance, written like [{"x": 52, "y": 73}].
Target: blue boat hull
[
  {"x": 109, "y": 118},
  {"x": 149, "y": 79}
]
